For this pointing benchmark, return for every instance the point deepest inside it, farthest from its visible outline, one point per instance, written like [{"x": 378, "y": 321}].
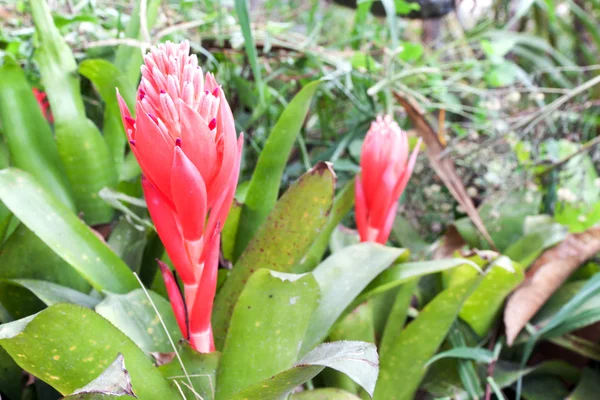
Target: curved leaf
[
  {"x": 266, "y": 180},
  {"x": 356, "y": 359},
  {"x": 418, "y": 342},
  {"x": 70, "y": 354},
  {"x": 81, "y": 147},
  {"x": 28, "y": 134},
  {"x": 133, "y": 314},
  {"x": 282, "y": 240},
  {"x": 64, "y": 233},
  {"x": 341, "y": 277},
  {"x": 267, "y": 329},
  {"x": 52, "y": 293}
]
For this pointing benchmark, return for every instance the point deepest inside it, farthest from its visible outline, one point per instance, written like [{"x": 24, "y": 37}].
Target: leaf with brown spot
[
  {"x": 545, "y": 276},
  {"x": 443, "y": 166}
]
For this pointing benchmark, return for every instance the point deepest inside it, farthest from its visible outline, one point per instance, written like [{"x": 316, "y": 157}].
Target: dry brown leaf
[
  {"x": 546, "y": 275},
  {"x": 443, "y": 166},
  {"x": 448, "y": 245}
]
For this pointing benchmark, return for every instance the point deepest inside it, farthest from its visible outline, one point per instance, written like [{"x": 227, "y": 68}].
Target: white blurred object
[{"x": 470, "y": 12}]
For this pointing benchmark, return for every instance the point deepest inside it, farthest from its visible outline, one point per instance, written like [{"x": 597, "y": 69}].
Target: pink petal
[
  {"x": 124, "y": 115},
  {"x": 167, "y": 230},
  {"x": 189, "y": 195},
  {"x": 200, "y": 327},
  {"x": 175, "y": 298},
  {"x": 155, "y": 152},
  {"x": 198, "y": 141},
  {"x": 385, "y": 231}
]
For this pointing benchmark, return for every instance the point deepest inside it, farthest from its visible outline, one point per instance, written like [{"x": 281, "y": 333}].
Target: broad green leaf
[
  {"x": 401, "y": 273},
  {"x": 544, "y": 388},
  {"x": 134, "y": 315},
  {"x": 129, "y": 59},
  {"x": 28, "y": 134},
  {"x": 417, "y": 343},
  {"x": 64, "y": 233},
  {"x": 267, "y": 328},
  {"x": 341, "y": 277},
  {"x": 70, "y": 354},
  {"x": 408, "y": 237},
  {"x": 561, "y": 297},
  {"x": 503, "y": 217},
  {"x": 538, "y": 238},
  {"x": 25, "y": 256},
  {"x": 356, "y": 359},
  {"x": 230, "y": 230},
  {"x": 467, "y": 353},
  {"x": 128, "y": 241},
  {"x": 342, "y": 237},
  {"x": 588, "y": 387},
  {"x": 10, "y": 376},
  {"x": 106, "y": 77},
  {"x": 484, "y": 306},
  {"x": 200, "y": 372},
  {"x": 53, "y": 293},
  {"x": 266, "y": 180},
  {"x": 342, "y": 204},
  {"x": 81, "y": 147},
  {"x": 281, "y": 241},
  {"x": 356, "y": 326},
  {"x": 324, "y": 394},
  {"x": 397, "y": 315},
  {"x": 113, "y": 382}
]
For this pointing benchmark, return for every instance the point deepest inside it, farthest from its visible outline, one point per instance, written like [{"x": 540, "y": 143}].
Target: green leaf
[
  {"x": 25, "y": 256},
  {"x": 282, "y": 240},
  {"x": 230, "y": 230},
  {"x": 106, "y": 77},
  {"x": 267, "y": 328},
  {"x": 28, "y": 134},
  {"x": 397, "y": 316},
  {"x": 52, "y": 293},
  {"x": 465, "y": 353},
  {"x": 70, "y": 354},
  {"x": 324, "y": 394},
  {"x": 10, "y": 376},
  {"x": 200, "y": 372},
  {"x": 81, "y": 147},
  {"x": 342, "y": 237},
  {"x": 64, "y": 233},
  {"x": 128, "y": 59},
  {"x": 341, "y": 277},
  {"x": 241, "y": 9},
  {"x": 342, "y": 204},
  {"x": 417, "y": 343},
  {"x": 356, "y": 359},
  {"x": 401, "y": 273},
  {"x": 133, "y": 314},
  {"x": 128, "y": 241},
  {"x": 113, "y": 382},
  {"x": 484, "y": 306},
  {"x": 540, "y": 233},
  {"x": 356, "y": 326},
  {"x": 588, "y": 387},
  {"x": 266, "y": 179},
  {"x": 503, "y": 217}
]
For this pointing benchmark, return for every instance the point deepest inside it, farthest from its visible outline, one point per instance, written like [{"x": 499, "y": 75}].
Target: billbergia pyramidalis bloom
[
  {"x": 385, "y": 168},
  {"x": 185, "y": 141}
]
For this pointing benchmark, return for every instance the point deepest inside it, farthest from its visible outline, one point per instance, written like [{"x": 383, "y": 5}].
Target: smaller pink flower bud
[{"x": 385, "y": 171}]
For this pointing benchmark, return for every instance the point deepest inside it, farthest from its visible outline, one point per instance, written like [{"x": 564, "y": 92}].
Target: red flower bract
[
  {"x": 385, "y": 171},
  {"x": 185, "y": 141}
]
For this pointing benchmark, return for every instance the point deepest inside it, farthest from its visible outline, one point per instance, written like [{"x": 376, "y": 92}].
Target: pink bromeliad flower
[
  {"x": 185, "y": 141},
  {"x": 385, "y": 171}
]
